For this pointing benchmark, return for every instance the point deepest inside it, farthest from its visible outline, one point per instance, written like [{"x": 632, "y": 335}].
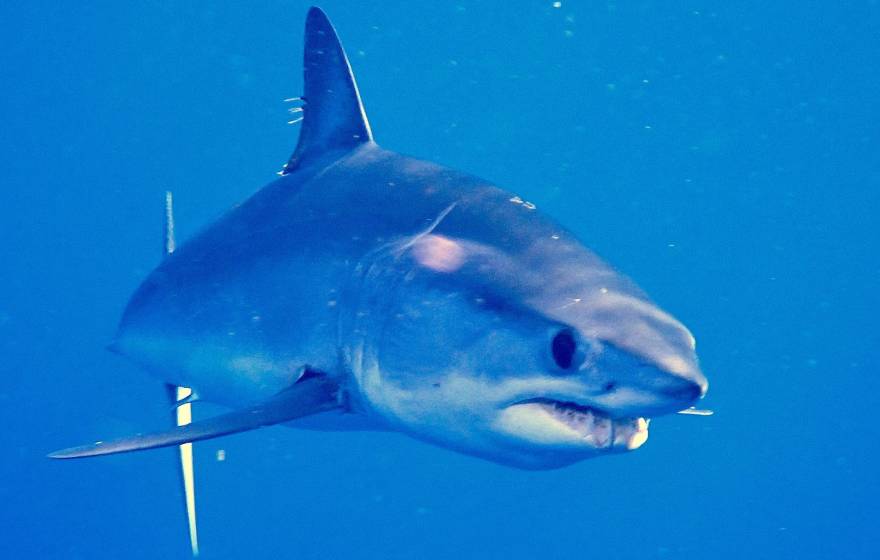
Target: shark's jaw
[{"x": 565, "y": 424}]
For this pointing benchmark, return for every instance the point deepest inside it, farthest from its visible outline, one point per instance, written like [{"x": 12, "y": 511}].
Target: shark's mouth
[{"x": 589, "y": 425}]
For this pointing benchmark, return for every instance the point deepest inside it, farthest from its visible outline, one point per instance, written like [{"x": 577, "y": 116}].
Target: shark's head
[{"x": 536, "y": 357}]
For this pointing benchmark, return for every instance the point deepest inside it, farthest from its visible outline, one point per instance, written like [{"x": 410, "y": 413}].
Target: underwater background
[{"x": 723, "y": 154}]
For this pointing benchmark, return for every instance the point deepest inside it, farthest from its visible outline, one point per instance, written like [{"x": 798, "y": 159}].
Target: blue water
[{"x": 724, "y": 154}]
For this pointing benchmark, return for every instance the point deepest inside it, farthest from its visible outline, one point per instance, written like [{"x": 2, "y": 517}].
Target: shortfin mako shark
[{"x": 364, "y": 289}]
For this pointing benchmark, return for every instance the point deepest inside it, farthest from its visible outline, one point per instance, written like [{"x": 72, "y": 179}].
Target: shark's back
[{"x": 271, "y": 271}]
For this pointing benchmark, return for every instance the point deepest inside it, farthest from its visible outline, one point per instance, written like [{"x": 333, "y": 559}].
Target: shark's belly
[{"x": 338, "y": 421}]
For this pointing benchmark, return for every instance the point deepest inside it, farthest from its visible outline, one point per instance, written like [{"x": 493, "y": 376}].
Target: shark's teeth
[
  {"x": 596, "y": 428},
  {"x": 631, "y": 433}
]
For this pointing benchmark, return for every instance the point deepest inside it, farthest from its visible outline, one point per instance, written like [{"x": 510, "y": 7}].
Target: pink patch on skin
[{"x": 439, "y": 253}]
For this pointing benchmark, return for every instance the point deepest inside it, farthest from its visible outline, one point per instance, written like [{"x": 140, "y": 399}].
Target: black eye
[{"x": 564, "y": 348}]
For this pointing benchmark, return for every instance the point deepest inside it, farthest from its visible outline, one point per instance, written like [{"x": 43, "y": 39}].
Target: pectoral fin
[{"x": 309, "y": 396}]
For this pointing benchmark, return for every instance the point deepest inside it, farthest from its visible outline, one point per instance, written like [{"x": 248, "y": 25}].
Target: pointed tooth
[
  {"x": 602, "y": 431},
  {"x": 640, "y": 436}
]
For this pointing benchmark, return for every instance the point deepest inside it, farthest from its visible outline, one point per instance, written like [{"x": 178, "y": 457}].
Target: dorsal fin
[{"x": 333, "y": 115}]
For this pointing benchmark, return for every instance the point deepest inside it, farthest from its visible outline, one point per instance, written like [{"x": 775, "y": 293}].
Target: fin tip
[
  {"x": 68, "y": 453},
  {"x": 315, "y": 11}
]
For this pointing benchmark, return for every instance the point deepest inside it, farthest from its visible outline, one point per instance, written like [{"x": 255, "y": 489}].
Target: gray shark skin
[{"x": 425, "y": 300}]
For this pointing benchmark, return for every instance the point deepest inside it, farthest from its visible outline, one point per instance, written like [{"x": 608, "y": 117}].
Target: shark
[{"x": 368, "y": 290}]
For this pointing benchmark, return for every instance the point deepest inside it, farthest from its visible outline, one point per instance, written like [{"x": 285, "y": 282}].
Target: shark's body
[
  {"x": 365, "y": 289},
  {"x": 279, "y": 283}
]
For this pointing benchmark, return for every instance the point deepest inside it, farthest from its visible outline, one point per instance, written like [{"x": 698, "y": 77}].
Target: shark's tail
[{"x": 180, "y": 398}]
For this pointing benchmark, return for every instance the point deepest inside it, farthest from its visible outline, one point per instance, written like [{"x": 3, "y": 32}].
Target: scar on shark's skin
[
  {"x": 439, "y": 253},
  {"x": 324, "y": 302}
]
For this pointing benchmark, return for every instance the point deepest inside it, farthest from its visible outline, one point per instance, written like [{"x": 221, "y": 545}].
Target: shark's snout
[
  {"x": 671, "y": 391},
  {"x": 686, "y": 384},
  {"x": 623, "y": 382},
  {"x": 683, "y": 390}
]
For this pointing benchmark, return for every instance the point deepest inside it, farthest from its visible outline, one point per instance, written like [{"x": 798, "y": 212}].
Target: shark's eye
[{"x": 564, "y": 347}]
